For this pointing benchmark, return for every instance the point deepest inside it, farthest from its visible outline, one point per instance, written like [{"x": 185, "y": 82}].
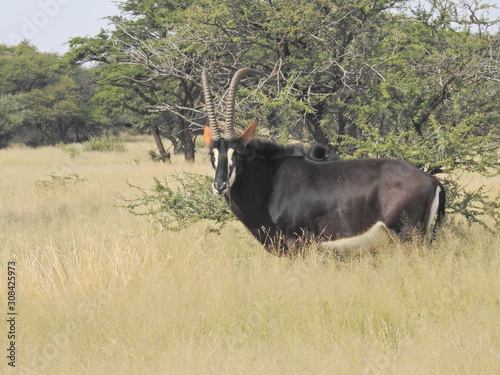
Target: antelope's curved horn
[
  {"x": 229, "y": 131},
  {"x": 209, "y": 106}
]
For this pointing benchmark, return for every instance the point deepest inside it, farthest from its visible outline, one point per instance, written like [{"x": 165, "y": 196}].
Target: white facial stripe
[
  {"x": 232, "y": 171},
  {"x": 232, "y": 177},
  {"x": 230, "y": 153},
  {"x": 216, "y": 157}
]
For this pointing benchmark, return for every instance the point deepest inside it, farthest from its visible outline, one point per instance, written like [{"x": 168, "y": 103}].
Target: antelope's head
[{"x": 226, "y": 153}]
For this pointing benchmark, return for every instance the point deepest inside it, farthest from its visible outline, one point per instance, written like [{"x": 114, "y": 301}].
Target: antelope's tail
[{"x": 440, "y": 210}]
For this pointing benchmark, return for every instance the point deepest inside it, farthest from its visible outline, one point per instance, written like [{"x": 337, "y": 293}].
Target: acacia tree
[
  {"x": 148, "y": 90},
  {"x": 41, "y": 102},
  {"x": 310, "y": 48},
  {"x": 11, "y": 118},
  {"x": 123, "y": 101},
  {"x": 172, "y": 41}
]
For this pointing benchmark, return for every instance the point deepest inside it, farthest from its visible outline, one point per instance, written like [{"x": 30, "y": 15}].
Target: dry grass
[{"x": 99, "y": 293}]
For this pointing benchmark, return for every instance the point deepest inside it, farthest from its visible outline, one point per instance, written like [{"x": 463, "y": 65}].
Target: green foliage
[
  {"x": 176, "y": 206},
  {"x": 128, "y": 91},
  {"x": 476, "y": 205},
  {"x": 60, "y": 181},
  {"x": 106, "y": 143},
  {"x": 154, "y": 156},
  {"x": 11, "y": 118},
  {"x": 23, "y": 68},
  {"x": 42, "y": 103},
  {"x": 70, "y": 149}
]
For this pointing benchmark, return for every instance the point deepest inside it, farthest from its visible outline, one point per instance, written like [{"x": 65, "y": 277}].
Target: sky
[{"x": 49, "y": 24}]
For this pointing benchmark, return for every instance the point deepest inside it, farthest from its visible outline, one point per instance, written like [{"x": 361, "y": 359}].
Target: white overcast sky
[{"x": 49, "y": 24}]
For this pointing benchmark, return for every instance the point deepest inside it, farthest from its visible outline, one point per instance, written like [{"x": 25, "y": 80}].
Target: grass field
[{"x": 99, "y": 292}]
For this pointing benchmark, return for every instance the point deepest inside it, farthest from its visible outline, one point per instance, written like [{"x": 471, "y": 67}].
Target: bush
[
  {"x": 176, "y": 207},
  {"x": 156, "y": 157},
  {"x": 107, "y": 143},
  {"x": 70, "y": 149},
  {"x": 56, "y": 181}
]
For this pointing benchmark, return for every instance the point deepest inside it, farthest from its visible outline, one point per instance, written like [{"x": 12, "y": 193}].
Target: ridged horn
[
  {"x": 209, "y": 106},
  {"x": 229, "y": 131}
]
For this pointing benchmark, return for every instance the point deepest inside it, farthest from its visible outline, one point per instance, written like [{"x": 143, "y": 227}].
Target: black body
[{"x": 282, "y": 196}]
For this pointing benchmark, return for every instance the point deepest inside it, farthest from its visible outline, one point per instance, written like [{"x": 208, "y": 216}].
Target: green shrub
[
  {"x": 169, "y": 207},
  {"x": 107, "y": 143},
  {"x": 71, "y": 150},
  {"x": 154, "y": 156},
  {"x": 56, "y": 181}
]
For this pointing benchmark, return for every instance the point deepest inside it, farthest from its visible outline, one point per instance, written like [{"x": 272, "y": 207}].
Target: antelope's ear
[
  {"x": 207, "y": 135},
  {"x": 248, "y": 133}
]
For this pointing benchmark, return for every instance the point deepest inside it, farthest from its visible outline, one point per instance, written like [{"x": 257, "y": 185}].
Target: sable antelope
[{"x": 282, "y": 194}]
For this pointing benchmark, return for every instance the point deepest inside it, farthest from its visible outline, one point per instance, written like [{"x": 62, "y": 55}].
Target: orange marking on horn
[{"x": 207, "y": 135}]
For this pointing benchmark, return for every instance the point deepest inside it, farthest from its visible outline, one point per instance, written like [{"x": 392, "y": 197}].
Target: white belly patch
[{"x": 377, "y": 235}]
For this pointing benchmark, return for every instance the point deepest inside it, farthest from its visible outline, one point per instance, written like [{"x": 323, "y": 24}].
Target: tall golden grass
[{"x": 98, "y": 292}]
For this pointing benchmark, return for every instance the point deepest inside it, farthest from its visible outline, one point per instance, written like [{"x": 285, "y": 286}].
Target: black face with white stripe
[{"x": 225, "y": 158}]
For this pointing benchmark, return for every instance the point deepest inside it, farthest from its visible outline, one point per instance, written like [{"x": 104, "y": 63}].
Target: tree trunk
[
  {"x": 189, "y": 148},
  {"x": 164, "y": 155},
  {"x": 178, "y": 148},
  {"x": 187, "y": 141},
  {"x": 313, "y": 121},
  {"x": 342, "y": 122},
  {"x": 176, "y": 143}
]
